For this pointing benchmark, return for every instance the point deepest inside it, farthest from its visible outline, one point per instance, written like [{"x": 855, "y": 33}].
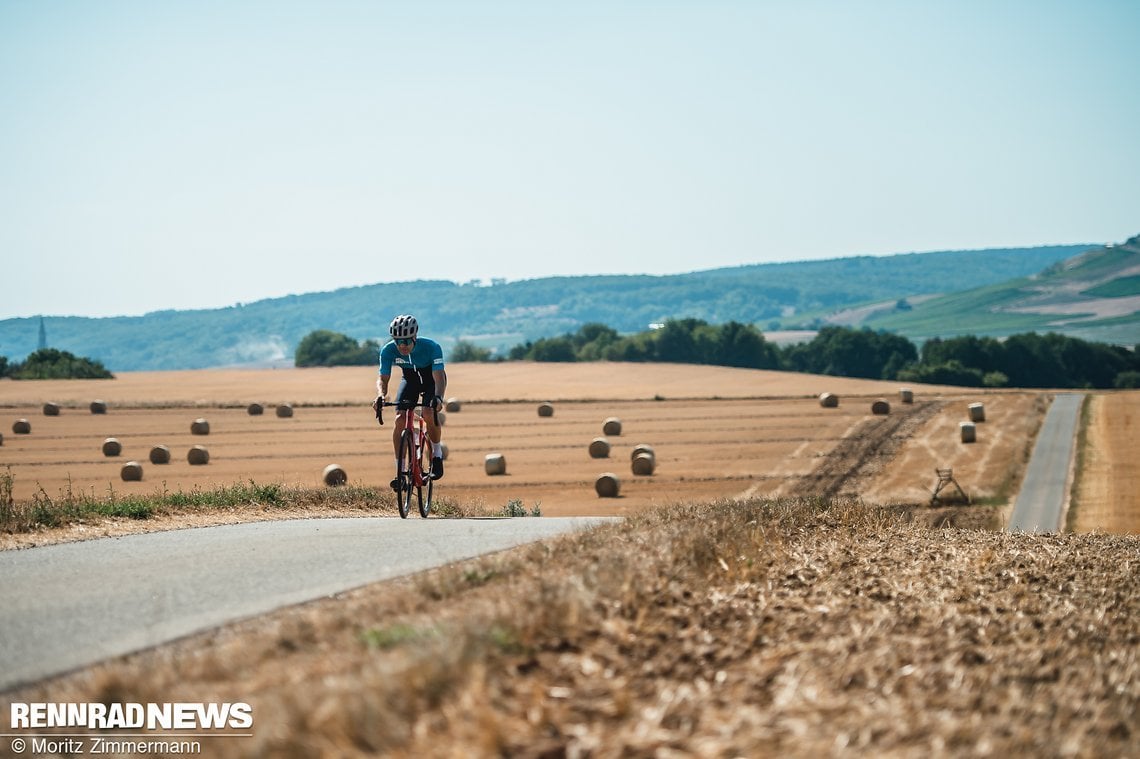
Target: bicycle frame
[{"x": 411, "y": 473}]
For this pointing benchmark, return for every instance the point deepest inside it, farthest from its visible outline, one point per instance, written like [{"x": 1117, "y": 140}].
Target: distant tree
[
  {"x": 950, "y": 373},
  {"x": 465, "y": 350},
  {"x": 1129, "y": 380},
  {"x": 50, "y": 363},
  {"x": 324, "y": 347},
  {"x": 553, "y": 349},
  {"x": 3, "y": 366}
]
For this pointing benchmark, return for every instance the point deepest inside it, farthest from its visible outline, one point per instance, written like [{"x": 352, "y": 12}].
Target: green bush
[{"x": 324, "y": 347}]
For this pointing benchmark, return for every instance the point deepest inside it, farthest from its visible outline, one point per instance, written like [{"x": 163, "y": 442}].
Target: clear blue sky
[{"x": 197, "y": 154}]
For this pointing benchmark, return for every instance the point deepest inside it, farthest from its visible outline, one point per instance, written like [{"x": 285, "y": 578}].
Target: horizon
[{"x": 189, "y": 156}]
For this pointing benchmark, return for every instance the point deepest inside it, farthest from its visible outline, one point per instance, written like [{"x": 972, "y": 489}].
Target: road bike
[{"x": 413, "y": 463}]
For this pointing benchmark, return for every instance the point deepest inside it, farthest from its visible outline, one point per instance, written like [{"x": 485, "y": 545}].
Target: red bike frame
[{"x": 414, "y": 452}]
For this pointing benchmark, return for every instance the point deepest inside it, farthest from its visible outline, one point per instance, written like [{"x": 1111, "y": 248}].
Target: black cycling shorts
[{"x": 415, "y": 383}]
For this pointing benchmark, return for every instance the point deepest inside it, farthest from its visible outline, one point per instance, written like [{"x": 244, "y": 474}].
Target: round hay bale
[
  {"x": 199, "y": 427},
  {"x": 607, "y": 485},
  {"x": 443, "y": 449},
  {"x": 977, "y": 412},
  {"x": 642, "y": 448},
  {"x": 599, "y": 448},
  {"x": 1, "y": 440},
  {"x": 612, "y": 427},
  {"x": 643, "y": 464},
  {"x": 441, "y": 418},
  {"x": 131, "y": 472},
  {"x": 22, "y": 427},
  {"x": 827, "y": 400},
  {"x": 112, "y": 447},
  {"x": 545, "y": 409},
  {"x": 968, "y": 432},
  {"x": 255, "y": 409},
  {"x": 98, "y": 407},
  {"x": 880, "y": 407},
  {"x": 160, "y": 454},
  {"x": 453, "y": 405},
  {"x": 284, "y": 411},
  {"x": 495, "y": 463},
  {"x": 334, "y": 476},
  {"x": 198, "y": 455},
  {"x": 906, "y": 395},
  {"x": 51, "y": 409}
]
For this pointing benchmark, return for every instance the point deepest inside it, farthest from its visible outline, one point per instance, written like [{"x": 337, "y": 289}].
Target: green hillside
[
  {"x": 505, "y": 314},
  {"x": 1094, "y": 296}
]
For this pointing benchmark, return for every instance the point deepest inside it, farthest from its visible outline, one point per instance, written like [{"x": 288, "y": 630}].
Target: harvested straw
[
  {"x": 255, "y": 409},
  {"x": 607, "y": 485},
  {"x": 545, "y": 409},
  {"x": 453, "y": 405},
  {"x": 906, "y": 395},
  {"x": 112, "y": 447},
  {"x": 131, "y": 472},
  {"x": 495, "y": 463},
  {"x": 198, "y": 455},
  {"x": 160, "y": 454},
  {"x": 284, "y": 411},
  {"x": 642, "y": 448},
  {"x": 977, "y": 412},
  {"x": 827, "y": 400},
  {"x": 51, "y": 409},
  {"x": 334, "y": 476},
  {"x": 199, "y": 427},
  {"x": 599, "y": 448},
  {"x": 98, "y": 407},
  {"x": 880, "y": 407},
  {"x": 612, "y": 427},
  {"x": 22, "y": 427}
]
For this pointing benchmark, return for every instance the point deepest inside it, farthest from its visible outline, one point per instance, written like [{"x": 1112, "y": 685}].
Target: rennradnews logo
[{"x": 172, "y": 716}]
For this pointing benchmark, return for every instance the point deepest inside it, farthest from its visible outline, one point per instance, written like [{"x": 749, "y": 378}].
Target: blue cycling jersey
[{"x": 426, "y": 355}]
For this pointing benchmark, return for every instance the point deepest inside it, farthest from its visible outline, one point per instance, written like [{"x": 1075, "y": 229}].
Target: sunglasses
[{"x": 405, "y": 340}]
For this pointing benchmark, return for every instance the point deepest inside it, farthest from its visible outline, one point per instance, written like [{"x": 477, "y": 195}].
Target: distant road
[
  {"x": 70, "y": 605},
  {"x": 1045, "y": 490}
]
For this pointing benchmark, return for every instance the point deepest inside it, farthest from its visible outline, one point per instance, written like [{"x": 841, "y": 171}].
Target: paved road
[
  {"x": 67, "y": 606},
  {"x": 1045, "y": 489}
]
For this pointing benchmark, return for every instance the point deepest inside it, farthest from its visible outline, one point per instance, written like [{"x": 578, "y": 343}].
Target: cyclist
[{"x": 421, "y": 361}]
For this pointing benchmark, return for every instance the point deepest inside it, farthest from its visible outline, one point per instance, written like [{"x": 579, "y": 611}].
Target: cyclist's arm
[{"x": 440, "y": 382}]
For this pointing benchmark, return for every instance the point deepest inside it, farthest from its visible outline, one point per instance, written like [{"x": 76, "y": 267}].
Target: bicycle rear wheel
[{"x": 404, "y": 475}]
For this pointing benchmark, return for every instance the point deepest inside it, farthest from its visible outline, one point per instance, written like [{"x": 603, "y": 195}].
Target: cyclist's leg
[
  {"x": 406, "y": 394},
  {"x": 434, "y": 431}
]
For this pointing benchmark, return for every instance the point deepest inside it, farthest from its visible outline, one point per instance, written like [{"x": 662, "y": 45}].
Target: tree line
[
  {"x": 49, "y": 363},
  {"x": 1024, "y": 360}
]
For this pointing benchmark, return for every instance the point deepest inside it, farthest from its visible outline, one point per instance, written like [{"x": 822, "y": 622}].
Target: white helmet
[{"x": 404, "y": 326}]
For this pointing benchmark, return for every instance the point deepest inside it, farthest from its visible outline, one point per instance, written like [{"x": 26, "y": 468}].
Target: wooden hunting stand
[{"x": 946, "y": 478}]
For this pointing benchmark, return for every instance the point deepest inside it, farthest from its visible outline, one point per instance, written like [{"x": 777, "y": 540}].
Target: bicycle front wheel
[
  {"x": 429, "y": 485},
  {"x": 405, "y": 474}
]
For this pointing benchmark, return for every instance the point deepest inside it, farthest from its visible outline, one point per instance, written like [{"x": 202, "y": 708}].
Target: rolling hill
[{"x": 504, "y": 314}]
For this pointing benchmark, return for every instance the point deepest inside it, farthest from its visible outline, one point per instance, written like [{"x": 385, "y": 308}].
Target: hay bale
[
  {"x": 977, "y": 412},
  {"x": 51, "y": 409},
  {"x": 906, "y": 395},
  {"x": 112, "y": 447},
  {"x": 443, "y": 449},
  {"x": 599, "y": 448},
  {"x": 255, "y": 409},
  {"x": 98, "y": 407},
  {"x": 441, "y": 418},
  {"x": 607, "y": 485},
  {"x": 880, "y": 407},
  {"x": 131, "y": 472},
  {"x": 641, "y": 448},
  {"x": 612, "y": 427},
  {"x": 495, "y": 463},
  {"x": 545, "y": 409},
  {"x": 643, "y": 464},
  {"x": 284, "y": 411},
  {"x": 453, "y": 405},
  {"x": 334, "y": 476},
  {"x": 198, "y": 456},
  {"x": 827, "y": 400},
  {"x": 160, "y": 454},
  {"x": 22, "y": 427},
  {"x": 1, "y": 440},
  {"x": 968, "y": 432},
  {"x": 199, "y": 427}
]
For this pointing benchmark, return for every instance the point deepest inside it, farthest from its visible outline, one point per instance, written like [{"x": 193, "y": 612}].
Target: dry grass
[{"x": 778, "y": 628}]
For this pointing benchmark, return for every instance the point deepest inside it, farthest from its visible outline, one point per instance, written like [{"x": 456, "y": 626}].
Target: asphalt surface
[
  {"x": 1044, "y": 494},
  {"x": 67, "y": 606}
]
